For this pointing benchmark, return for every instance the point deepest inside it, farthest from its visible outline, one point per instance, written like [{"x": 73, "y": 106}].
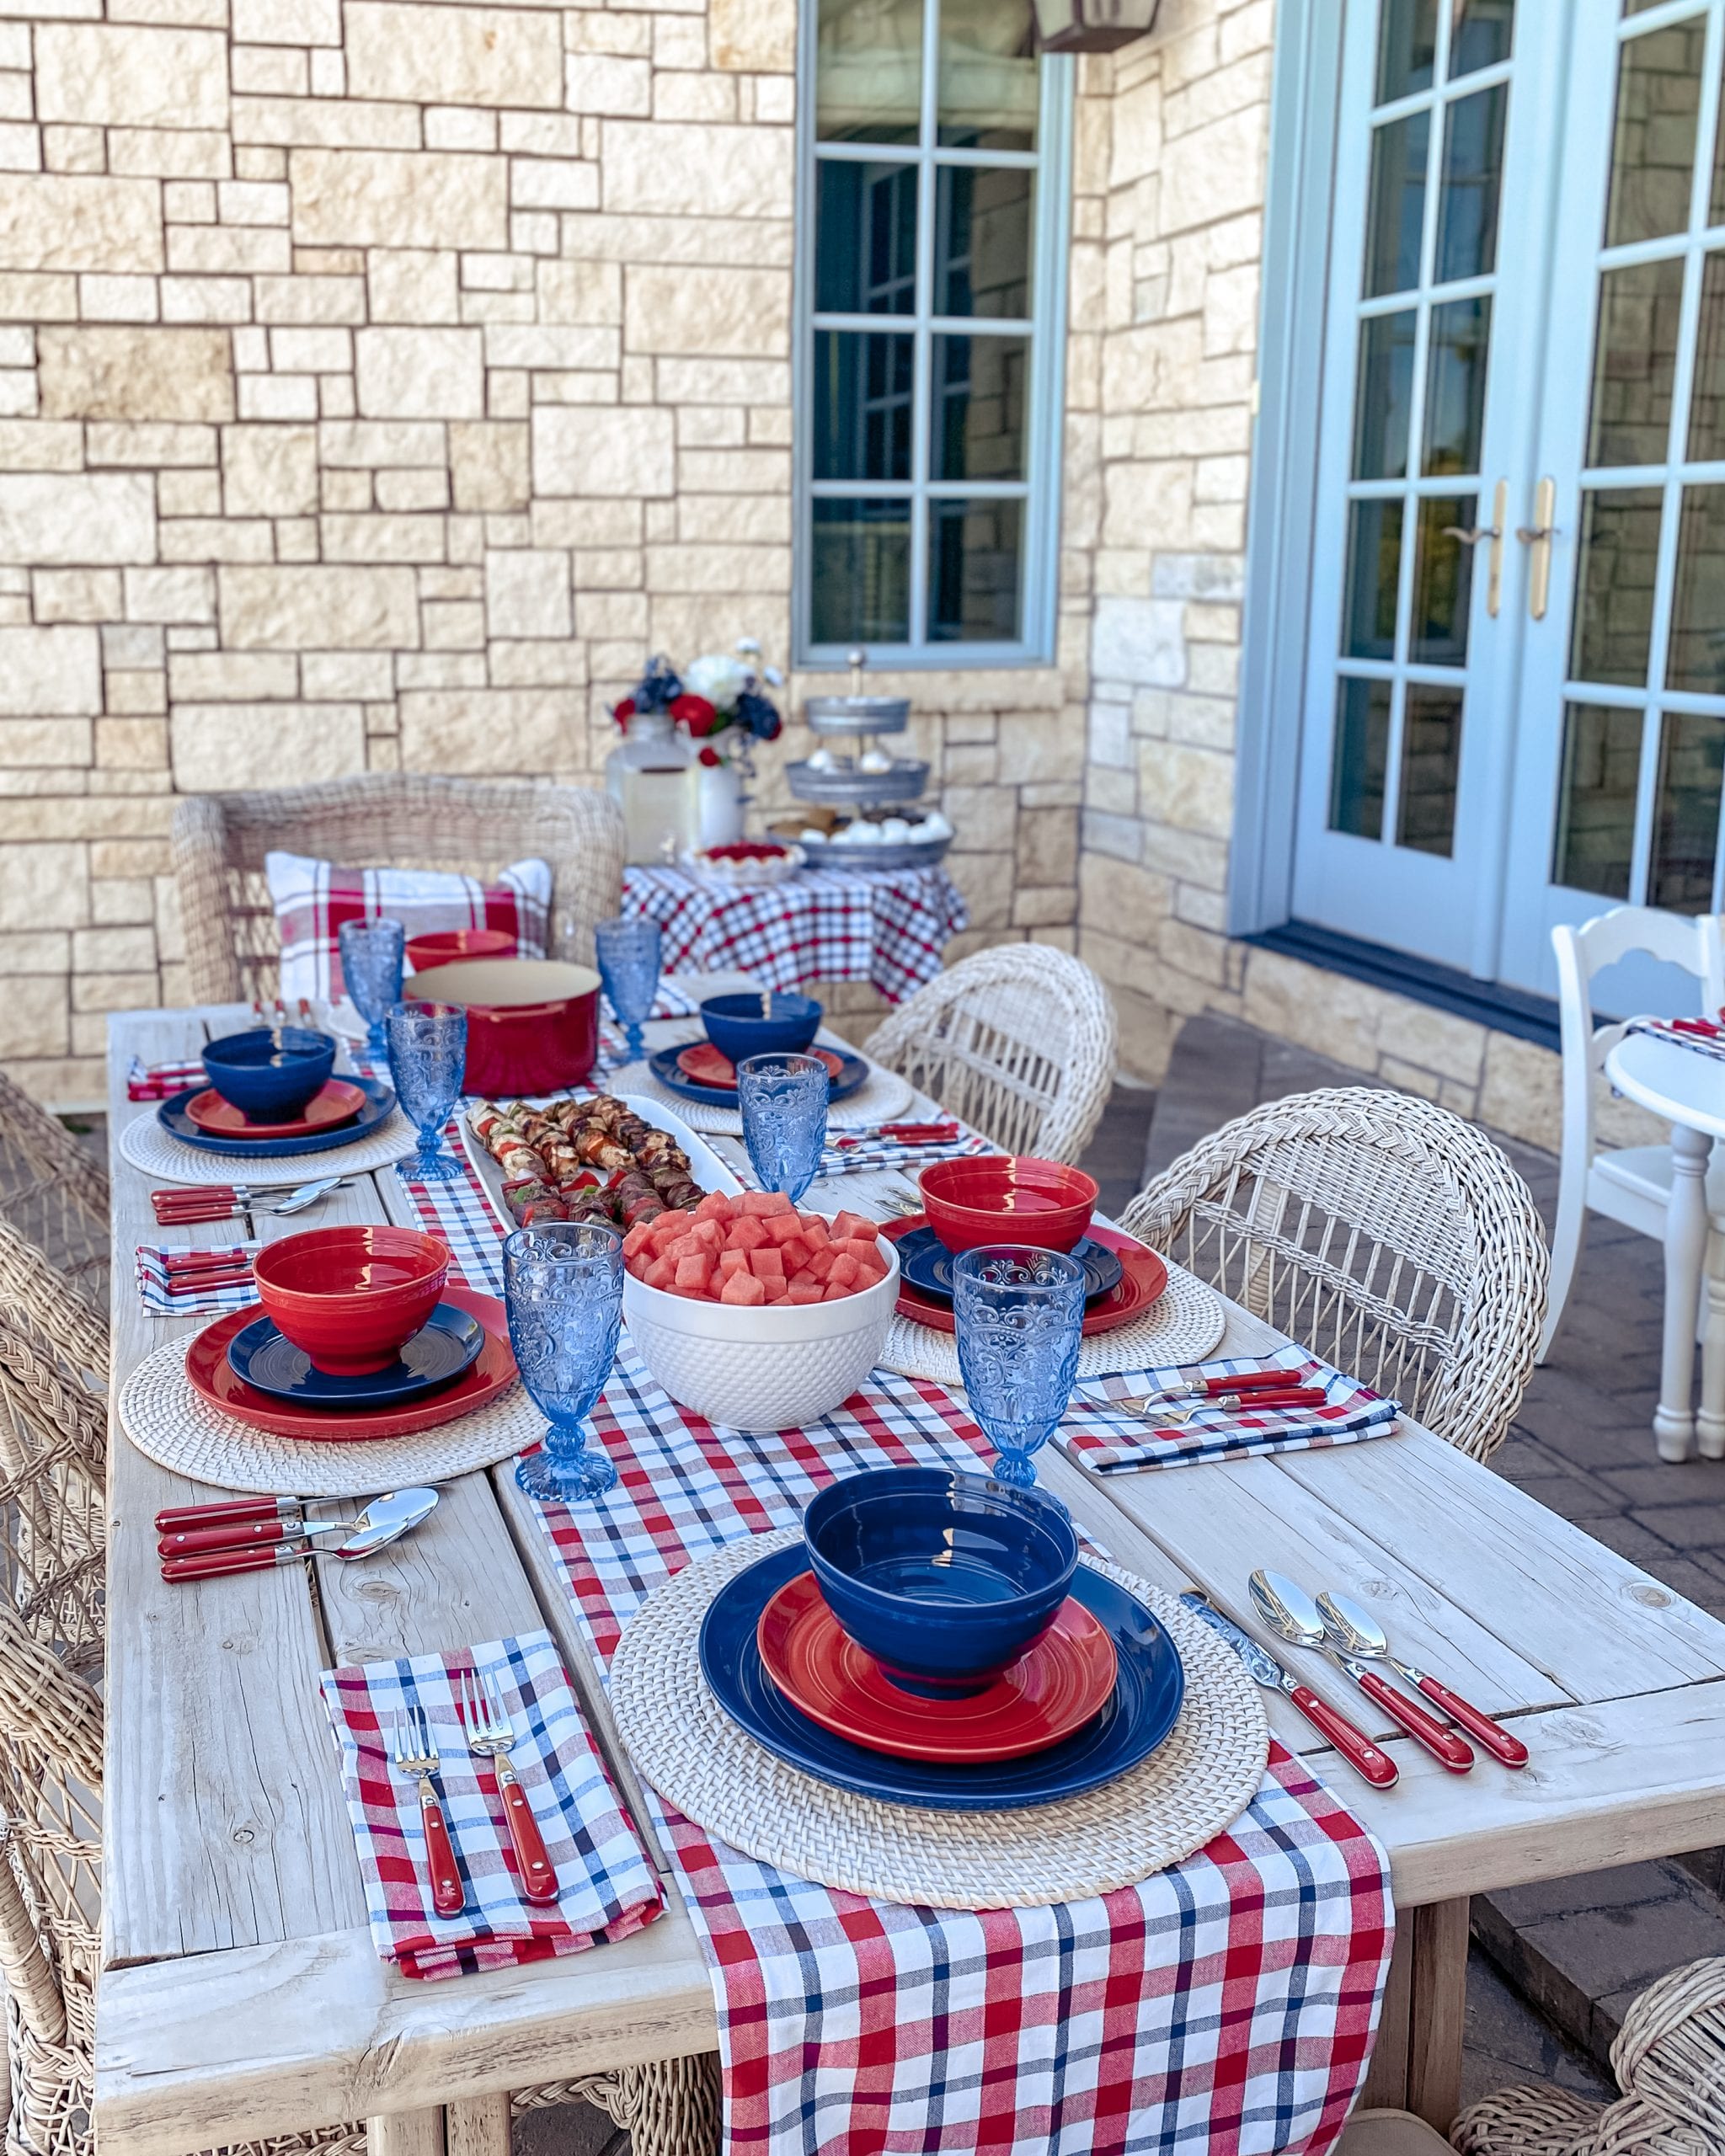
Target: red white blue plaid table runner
[
  {"x": 1225, "y": 2008},
  {"x": 889, "y": 928},
  {"x": 1115, "y": 1443},
  {"x": 609, "y": 1889}
]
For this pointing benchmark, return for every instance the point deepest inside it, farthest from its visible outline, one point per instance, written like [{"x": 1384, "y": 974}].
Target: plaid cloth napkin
[
  {"x": 1112, "y": 1443},
  {"x": 609, "y": 1887},
  {"x": 1701, "y": 1034},
  {"x": 152, "y": 1276},
  {"x": 158, "y": 1081},
  {"x": 898, "y": 1153}
]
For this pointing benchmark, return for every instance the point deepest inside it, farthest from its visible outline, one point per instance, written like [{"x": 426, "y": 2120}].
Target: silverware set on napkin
[{"x": 486, "y": 1733}]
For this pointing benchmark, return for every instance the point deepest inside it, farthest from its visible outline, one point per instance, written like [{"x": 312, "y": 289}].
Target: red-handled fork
[
  {"x": 416, "y": 1755},
  {"x": 491, "y": 1731},
  {"x": 226, "y": 1511}
]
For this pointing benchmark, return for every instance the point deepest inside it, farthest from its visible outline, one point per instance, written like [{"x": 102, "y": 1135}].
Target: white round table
[{"x": 1686, "y": 1089}]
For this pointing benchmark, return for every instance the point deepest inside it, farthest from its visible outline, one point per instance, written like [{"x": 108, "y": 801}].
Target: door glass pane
[
  {"x": 1373, "y": 569},
  {"x": 1707, "y": 408},
  {"x": 1653, "y": 146},
  {"x": 1455, "y": 386},
  {"x": 862, "y": 405},
  {"x": 869, "y": 71},
  {"x": 988, "y": 74},
  {"x": 973, "y": 561},
  {"x": 1697, "y": 659},
  {"x": 1431, "y": 757},
  {"x": 1397, "y": 208},
  {"x": 1614, "y": 585},
  {"x": 1384, "y": 396},
  {"x": 865, "y": 248},
  {"x": 1443, "y": 581},
  {"x": 1635, "y": 358},
  {"x": 1480, "y": 34},
  {"x": 1596, "y": 839},
  {"x": 1407, "y": 44},
  {"x": 1686, "y": 817},
  {"x": 977, "y": 415},
  {"x": 1473, "y": 171},
  {"x": 861, "y": 583},
  {"x": 982, "y": 241},
  {"x": 1361, "y": 757}
]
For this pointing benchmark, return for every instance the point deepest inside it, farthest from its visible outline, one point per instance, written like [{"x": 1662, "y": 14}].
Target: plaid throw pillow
[{"x": 313, "y": 898}]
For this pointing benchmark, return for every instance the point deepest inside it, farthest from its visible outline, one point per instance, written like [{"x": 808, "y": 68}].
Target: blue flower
[
  {"x": 658, "y": 687},
  {"x": 758, "y": 715}
]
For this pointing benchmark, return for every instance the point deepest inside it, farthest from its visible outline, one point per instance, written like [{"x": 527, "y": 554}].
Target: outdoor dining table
[{"x": 240, "y": 1995}]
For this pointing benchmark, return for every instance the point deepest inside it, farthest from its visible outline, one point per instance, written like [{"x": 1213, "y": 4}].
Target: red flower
[
  {"x": 694, "y": 713},
  {"x": 710, "y": 756},
  {"x": 623, "y": 712}
]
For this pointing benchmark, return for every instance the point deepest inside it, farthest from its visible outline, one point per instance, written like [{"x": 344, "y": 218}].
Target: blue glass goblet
[
  {"x": 427, "y": 1052},
  {"x": 627, "y": 951},
  {"x": 1020, "y": 1318},
  {"x": 562, "y": 1285},
  {"x": 371, "y": 970},
  {"x": 783, "y": 1103}
]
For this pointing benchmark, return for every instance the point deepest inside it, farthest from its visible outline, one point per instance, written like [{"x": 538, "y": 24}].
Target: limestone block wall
[{"x": 379, "y": 380}]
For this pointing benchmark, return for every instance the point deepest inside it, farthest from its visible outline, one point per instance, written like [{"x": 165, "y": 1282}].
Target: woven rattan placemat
[
  {"x": 158, "y": 1153},
  {"x": 881, "y": 1096},
  {"x": 177, "y": 1428},
  {"x": 698, "y": 1759}
]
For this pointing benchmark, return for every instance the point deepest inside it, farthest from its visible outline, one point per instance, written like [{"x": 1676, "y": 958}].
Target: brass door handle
[
  {"x": 1539, "y": 536},
  {"x": 1494, "y": 532}
]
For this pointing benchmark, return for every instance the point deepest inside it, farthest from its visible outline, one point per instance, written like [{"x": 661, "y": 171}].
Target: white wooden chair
[
  {"x": 1018, "y": 1041},
  {"x": 1631, "y": 1184}
]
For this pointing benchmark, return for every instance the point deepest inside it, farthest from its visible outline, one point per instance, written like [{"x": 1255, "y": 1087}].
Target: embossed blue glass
[
  {"x": 427, "y": 1045},
  {"x": 783, "y": 1100},
  {"x": 1020, "y": 1318},
  {"x": 371, "y": 970},
  {"x": 562, "y": 1285},
  {"x": 627, "y": 952}
]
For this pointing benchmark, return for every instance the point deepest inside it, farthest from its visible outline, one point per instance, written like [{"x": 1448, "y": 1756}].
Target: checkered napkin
[
  {"x": 153, "y": 1281},
  {"x": 159, "y": 1082},
  {"x": 896, "y": 1153},
  {"x": 1701, "y": 1034},
  {"x": 609, "y": 1888},
  {"x": 889, "y": 927},
  {"x": 1227, "y": 2004},
  {"x": 1114, "y": 1444}
]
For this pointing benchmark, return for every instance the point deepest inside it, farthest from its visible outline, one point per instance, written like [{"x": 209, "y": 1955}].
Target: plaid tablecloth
[
  {"x": 1225, "y": 2008},
  {"x": 1702, "y": 1035},
  {"x": 609, "y": 1888},
  {"x": 889, "y": 928},
  {"x": 152, "y": 1282}
]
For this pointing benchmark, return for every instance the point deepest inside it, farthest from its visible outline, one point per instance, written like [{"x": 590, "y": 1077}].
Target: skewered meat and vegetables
[{"x": 591, "y": 1159}]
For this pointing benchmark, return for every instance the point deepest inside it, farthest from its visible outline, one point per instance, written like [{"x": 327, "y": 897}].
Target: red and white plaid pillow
[{"x": 313, "y": 898}]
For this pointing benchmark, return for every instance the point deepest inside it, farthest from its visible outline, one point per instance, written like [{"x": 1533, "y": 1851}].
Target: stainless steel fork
[
  {"x": 415, "y": 1754},
  {"x": 491, "y": 1732}
]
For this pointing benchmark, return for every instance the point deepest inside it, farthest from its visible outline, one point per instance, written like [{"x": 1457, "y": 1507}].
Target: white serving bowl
[{"x": 776, "y": 1367}]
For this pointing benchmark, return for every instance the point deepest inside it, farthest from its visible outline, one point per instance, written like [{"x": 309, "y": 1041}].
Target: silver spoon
[
  {"x": 1287, "y": 1609},
  {"x": 1356, "y": 1628}
]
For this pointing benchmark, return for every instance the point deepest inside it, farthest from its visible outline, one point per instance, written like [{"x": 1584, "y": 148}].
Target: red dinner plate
[
  {"x": 339, "y": 1102},
  {"x": 1143, "y": 1277},
  {"x": 207, "y": 1367},
  {"x": 704, "y": 1065},
  {"x": 1048, "y": 1693}
]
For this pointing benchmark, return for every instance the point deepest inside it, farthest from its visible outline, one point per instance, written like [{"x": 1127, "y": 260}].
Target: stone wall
[{"x": 379, "y": 383}]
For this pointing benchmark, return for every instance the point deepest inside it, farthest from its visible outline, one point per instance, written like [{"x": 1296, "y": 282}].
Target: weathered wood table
[{"x": 241, "y": 1995}]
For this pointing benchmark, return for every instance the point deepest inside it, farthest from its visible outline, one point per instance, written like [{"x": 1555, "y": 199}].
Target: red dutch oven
[
  {"x": 532, "y": 1023},
  {"x": 443, "y": 946}
]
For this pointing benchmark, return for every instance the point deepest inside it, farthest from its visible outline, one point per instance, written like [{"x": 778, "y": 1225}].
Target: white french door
[{"x": 1513, "y": 707}]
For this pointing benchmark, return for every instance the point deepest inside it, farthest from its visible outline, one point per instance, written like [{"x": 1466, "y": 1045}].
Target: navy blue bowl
[
  {"x": 737, "y": 1029},
  {"x": 270, "y": 1074},
  {"x": 944, "y": 1578}
]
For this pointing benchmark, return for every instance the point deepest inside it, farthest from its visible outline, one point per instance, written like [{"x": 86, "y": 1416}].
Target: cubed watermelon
[
  {"x": 695, "y": 1271},
  {"x": 683, "y": 1245},
  {"x": 730, "y": 1262},
  {"x": 870, "y": 1270},
  {"x": 745, "y": 1289},
  {"x": 814, "y": 1231},
  {"x": 832, "y": 1292},
  {"x": 796, "y": 1254},
  {"x": 639, "y": 1238},
  {"x": 708, "y": 1235},
  {"x": 803, "y": 1290},
  {"x": 845, "y": 1225},
  {"x": 843, "y": 1274},
  {"x": 660, "y": 1274},
  {"x": 820, "y": 1265},
  {"x": 766, "y": 1264},
  {"x": 755, "y": 1204},
  {"x": 748, "y": 1233},
  {"x": 715, "y": 1206},
  {"x": 782, "y": 1226}
]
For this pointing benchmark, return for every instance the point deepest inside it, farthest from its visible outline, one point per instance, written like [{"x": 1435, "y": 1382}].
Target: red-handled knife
[
  {"x": 172, "y": 1518},
  {"x": 213, "y": 1564},
  {"x": 245, "y": 1534}
]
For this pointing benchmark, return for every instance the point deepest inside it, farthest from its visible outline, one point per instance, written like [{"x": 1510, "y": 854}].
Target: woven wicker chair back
[
  {"x": 387, "y": 819},
  {"x": 54, "y": 1193},
  {"x": 53, "y": 1533},
  {"x": 1018, "y": 1040},
  {"x": 1384, "y": 1234}
]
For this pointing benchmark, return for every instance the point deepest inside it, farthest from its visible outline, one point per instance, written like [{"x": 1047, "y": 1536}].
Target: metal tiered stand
[{"x": 846, "y": 786}]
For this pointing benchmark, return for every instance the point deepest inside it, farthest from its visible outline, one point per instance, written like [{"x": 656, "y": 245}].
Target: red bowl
[
  {"x": 350, "y": 1297},
  {"x": 532, "y": 1023},
  {"x": 1002, "y": 1198},
  {"x": 444, "y": 946}
]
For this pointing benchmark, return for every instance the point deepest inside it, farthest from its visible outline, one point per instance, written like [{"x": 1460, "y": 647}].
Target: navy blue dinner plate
[
  {"x": 380, "y": 1100},
  {"x": 663, "y": 1063},
  {"x": 927, "y": 1263},
  {"x": 259, "y": 1354},
  {"x": 1142, "y": 1709}
]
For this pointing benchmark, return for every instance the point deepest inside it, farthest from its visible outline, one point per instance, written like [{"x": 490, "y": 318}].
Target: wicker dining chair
[
  {"x": 1669, "y": 2062},
  {"x": 54, "y": 1192},
  {"x": 1384, "y": 1234},
  {"x": 1018, "y": 1041},
  {"x": 394, "y": 820},
  {"x": 53, "y": 1531}
]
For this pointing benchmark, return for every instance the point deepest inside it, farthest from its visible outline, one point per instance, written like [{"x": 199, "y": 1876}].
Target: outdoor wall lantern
[{"x": 1093, "y": 25}]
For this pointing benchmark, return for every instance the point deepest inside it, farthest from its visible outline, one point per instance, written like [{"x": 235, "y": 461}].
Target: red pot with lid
[
  {"x": 445, "y": 946},
  {"x": 532, "y": 1023}
]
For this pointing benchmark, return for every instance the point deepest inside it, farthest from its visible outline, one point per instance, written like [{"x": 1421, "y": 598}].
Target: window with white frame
[{"x": 932, "y": 268}]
